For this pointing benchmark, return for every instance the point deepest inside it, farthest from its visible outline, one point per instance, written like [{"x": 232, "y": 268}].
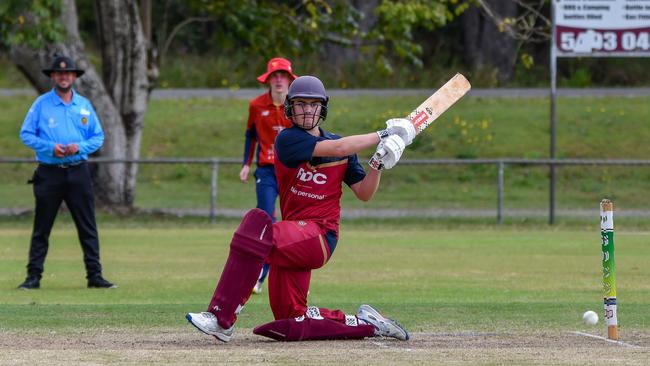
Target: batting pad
[{"x": 250, "y": 245}]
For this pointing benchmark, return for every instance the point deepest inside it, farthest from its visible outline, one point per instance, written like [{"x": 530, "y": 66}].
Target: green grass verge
[
  {"x": 475, "y": 128},
  {"x": 432, "y": 280}
]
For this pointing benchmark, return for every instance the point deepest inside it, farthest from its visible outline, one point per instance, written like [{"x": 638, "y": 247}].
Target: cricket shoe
[
  {"x": 384, "y": 327},
  {"x": 258, "y": 287},
  {"x": 207, "y": 323},
  {"x": 31, "y": 283},
  {"x": 97, "y": 281}
]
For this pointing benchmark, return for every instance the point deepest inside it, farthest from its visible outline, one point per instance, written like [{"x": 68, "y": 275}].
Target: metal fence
[{"x": 499, "y": 165}]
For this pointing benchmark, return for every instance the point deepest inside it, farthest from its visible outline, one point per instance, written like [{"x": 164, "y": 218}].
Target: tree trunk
[
  {"x": 339, "y": 56},
  {"x": 124, "y": 65},
  {"x": 486, "y": 47},
  {"x": 120, "y": 96}
]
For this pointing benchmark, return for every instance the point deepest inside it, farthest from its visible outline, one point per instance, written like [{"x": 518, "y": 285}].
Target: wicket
[{"x": 609, "y": 273}]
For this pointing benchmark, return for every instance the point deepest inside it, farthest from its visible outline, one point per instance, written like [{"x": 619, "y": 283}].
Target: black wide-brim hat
[{"x": 62, "y": 63}]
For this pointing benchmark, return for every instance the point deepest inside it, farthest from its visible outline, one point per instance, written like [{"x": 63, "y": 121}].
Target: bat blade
[{"x": 439, "y": 102}]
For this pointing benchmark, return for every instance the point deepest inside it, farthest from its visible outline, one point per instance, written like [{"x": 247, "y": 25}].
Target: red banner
[
  {"x": 601, "y": 27},
  {"x": 580, "y": 40}
]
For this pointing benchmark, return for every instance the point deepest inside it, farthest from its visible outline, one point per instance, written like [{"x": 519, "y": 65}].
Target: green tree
[
  {"x": 382, "y": 30},
  {"x": 17, "y": 16}
]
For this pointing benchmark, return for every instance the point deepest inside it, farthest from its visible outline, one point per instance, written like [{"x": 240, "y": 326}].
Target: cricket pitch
[{"x": 187, "y": 346}]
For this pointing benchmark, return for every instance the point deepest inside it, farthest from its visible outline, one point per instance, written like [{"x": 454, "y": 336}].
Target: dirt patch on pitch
[{"x": 187, "y": 346}]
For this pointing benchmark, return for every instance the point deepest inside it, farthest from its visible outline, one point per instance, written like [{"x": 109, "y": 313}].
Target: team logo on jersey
[
  {"x": 51, "y": 123},
  {"x": 84, "y": 120},
  {"x": 307, "y": 194},
  {"x": 265, "y": 113},
  {"x": 307, "y": 176}
]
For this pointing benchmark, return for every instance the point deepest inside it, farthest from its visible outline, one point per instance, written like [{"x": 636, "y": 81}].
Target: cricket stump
[{"x": 609, "y": 273}]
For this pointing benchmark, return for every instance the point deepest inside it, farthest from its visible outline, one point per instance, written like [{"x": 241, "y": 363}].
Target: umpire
[{"x": 62, "y": 128}]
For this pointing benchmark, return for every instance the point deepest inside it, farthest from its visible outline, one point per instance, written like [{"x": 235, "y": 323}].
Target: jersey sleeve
[
  {"x": 29, "y": 133},
  {"x": 354, "y": 173},
  {"x": 250, "y": 136},
  {"x": 294, "y": 146}
]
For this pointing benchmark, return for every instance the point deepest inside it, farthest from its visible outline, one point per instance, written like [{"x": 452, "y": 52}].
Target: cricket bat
[{"x": 427, "y": 112}]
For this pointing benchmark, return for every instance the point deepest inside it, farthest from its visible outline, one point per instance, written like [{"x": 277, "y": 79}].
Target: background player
[
  {"x": 311, "y": 166},
  {"x": 265, "y": 120}
]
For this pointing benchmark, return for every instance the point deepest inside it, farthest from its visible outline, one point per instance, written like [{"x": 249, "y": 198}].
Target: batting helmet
[{"x": 306, "y": 87}]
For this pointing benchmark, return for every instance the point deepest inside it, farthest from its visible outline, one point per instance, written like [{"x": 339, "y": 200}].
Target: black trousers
[{"x": 72, "y": 184}]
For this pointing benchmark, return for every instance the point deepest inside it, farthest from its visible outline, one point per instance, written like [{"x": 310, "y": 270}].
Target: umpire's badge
[{"x": 84, "y": 120}]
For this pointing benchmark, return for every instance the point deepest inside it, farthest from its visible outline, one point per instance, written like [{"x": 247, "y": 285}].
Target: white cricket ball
[{"x": 590, "y": 317}]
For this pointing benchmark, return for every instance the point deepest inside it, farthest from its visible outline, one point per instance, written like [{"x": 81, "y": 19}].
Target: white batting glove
[
  {"x": 388, "y": 153},
  {"x": 401, "y": 127}
]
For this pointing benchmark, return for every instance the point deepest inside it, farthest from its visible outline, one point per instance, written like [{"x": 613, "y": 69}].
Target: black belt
[{"x": 63, "y": 166}]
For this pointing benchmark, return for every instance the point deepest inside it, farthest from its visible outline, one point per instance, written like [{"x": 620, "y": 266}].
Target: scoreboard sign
[{"x": 602, "y": 27}]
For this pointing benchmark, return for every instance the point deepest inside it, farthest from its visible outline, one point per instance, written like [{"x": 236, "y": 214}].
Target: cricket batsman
[{"x": 311, "y": 166}]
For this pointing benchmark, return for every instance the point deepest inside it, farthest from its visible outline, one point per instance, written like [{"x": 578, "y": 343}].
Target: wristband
[
  {"x": 375, "y": 163},
  {"x": 383, "y": 134}
]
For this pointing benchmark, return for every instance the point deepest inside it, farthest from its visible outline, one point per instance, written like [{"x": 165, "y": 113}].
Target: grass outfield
[{"x": 481, "y": 296}]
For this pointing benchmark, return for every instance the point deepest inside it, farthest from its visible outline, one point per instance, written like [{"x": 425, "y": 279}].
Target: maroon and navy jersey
[
  {"x": 265, "y": 121},
  {"x": 311, "y": 187}
]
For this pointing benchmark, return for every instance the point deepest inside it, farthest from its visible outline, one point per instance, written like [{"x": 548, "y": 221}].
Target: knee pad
[{"x": 254, "y": 236}]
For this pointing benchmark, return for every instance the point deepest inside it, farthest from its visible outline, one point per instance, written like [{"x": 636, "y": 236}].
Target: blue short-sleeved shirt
[{"x": 50, "y": 121}]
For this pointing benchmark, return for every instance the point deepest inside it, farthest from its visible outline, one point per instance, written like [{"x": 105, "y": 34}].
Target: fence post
[
  {"x": 500, "y": 168},
  {"x": 551, "y": 205},
  {"x": 213, "y": 189}
]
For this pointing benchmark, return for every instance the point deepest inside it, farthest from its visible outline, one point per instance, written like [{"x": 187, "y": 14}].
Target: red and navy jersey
[
  {"x": 311, "y": 187},
  {"x": 265, "y": 121}
]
